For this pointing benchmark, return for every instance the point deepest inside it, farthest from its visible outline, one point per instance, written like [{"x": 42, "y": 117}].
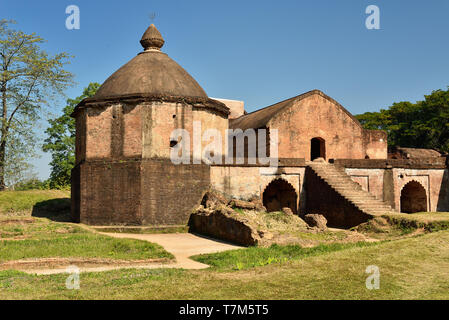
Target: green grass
[
  {"x": 258, "y": 256},
  {"x": 322, "y": 236},
  {"x": 29, "y": 237},
  {"x": 20, "y": 201},
  {"x": 81, "y": 246},
  {"x": 429, "y": 221},
  {"x": 19, "y": 228},
  {"x": 412, "y": 268},
  {"x": 398, "y": 225},
  {"x": 23, "y": 236}
]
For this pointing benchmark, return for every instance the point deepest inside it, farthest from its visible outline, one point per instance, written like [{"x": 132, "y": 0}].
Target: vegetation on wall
[{"x": 424, "y": 124}]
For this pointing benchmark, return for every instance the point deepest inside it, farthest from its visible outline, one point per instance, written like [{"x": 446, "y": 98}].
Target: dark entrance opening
[
  {"x": 280, "y": 194},
  {"x": 413, "y": 198},
  {"x": 317, "y": 148}
]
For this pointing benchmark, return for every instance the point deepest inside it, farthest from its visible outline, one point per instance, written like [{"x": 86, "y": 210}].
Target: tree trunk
[
  {"x": 2, "y": 166},
  {"x": 3, "y": 138}
]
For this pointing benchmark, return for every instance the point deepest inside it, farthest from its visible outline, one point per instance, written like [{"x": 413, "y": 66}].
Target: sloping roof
[
  {"x": 260, "y": 118},
  {"x": 152, "y": 76},
  {"x": 151, "y": 72}
]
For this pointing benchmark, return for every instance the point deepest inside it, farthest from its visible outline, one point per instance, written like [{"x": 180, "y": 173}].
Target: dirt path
[{"x": 181, "y": 245}]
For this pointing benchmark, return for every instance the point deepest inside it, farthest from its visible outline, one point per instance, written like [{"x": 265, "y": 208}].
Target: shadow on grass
[{"x": 55, "y": 209}]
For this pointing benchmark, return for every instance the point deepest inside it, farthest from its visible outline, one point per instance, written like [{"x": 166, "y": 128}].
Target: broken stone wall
[{"x": 170, "y": 192}]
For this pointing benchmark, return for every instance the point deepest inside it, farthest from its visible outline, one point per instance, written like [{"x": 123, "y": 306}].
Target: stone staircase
[{"x": 339, "y": 181}]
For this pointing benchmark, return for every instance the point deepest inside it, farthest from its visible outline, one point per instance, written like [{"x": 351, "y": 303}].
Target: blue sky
[{"x": 259, "y": 51}]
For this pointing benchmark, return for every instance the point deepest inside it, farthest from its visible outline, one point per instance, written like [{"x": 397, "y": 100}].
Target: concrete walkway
[{"x": 181, "y": 245}]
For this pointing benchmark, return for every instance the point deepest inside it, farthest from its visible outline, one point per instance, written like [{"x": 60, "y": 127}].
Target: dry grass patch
[
  {"x": 291, "y": 229},
  {"x": 17, "y": 228}
]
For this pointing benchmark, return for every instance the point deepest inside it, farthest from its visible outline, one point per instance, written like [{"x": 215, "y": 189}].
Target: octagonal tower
[{"x": 123, "y": 173}]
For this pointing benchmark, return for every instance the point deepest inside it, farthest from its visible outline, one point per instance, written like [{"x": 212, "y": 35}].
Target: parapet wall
[
  {"x": 385, "y": 179},
  {"x": 423, "y": 163}
]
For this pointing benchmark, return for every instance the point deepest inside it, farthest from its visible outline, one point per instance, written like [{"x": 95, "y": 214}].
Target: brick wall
[
  {"x": 170, "y": 192},
  {"x": 315, "y": 116},
  {"x": 109, "y": 193},
  {"x": 142, "y": 192}
]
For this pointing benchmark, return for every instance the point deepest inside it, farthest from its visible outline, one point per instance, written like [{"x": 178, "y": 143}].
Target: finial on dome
[{"x": 152, "y": 39}]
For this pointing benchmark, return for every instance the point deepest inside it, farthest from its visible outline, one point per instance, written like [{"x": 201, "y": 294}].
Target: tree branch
[
  {"x": 15, "y": 51},
  {"x": 8, "y": 123}
]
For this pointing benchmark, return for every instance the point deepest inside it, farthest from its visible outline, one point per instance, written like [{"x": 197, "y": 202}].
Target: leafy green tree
[
  {"x": 29, "y": 79},
  {"x": 424, "y": 124},
  {"x": 60, "y": 141},
  {"x": 31, "y": 184}
]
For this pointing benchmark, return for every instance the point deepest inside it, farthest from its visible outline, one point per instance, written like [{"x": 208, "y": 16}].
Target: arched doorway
[
  {"x": 317, "y": 148},
  {"x": 280, "y": 194},
  {"x": 413, "y": 198}
]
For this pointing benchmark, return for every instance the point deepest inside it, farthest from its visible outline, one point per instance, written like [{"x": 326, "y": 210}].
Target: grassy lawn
[
  {"x": 429, "y": 221},
  {"x": 413, "y": 268},
  {"x": 30, "y": 228},
  {"x": 19, "y": 228},
  {"x": 424, "y": 216},
  {"x": 81, "y": 246},
  {"x": 398, "y": 225},
  {"x": 259, "y": 256},
  {"x": 24, "y": 201},
  {"x": 29, "y": 237}
]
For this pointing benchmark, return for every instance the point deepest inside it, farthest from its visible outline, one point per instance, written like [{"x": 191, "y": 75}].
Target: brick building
[{"x": 124, "y": 175}]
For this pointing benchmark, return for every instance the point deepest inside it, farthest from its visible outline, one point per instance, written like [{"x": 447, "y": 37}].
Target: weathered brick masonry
[
  {"x": 321, "y": 199},
  {"x": 140, "y": 192},
  {"x": 124, "y": 175}
]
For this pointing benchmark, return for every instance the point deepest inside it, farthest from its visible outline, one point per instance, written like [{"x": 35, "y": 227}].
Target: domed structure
[
  {"x": 124, "y": 172},
  {"x": 151, "y": 72}
]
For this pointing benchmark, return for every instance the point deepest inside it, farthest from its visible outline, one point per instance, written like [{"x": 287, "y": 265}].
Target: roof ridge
[
  {"x": 284, "y": 104},
  {"x": 285, "y": 100}
]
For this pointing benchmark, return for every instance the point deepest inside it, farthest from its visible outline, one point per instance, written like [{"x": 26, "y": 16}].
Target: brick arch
[
  {"x": 413, "y": 197},
  {"x": 279, "y": 193}
]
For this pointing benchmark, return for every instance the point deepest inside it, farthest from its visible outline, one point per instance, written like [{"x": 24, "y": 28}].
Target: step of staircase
[{"x": 338, "y": 180}]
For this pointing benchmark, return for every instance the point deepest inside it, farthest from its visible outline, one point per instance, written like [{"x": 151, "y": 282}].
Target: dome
[{"x": 151, "y": 72}]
